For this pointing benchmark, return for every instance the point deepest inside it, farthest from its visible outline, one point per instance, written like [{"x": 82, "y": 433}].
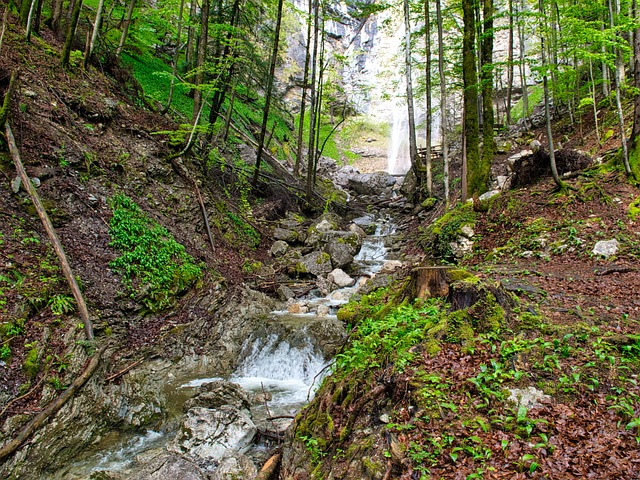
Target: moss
[
  {"x": 432, "y": 347},
  {"x": 634, "y": 209},
  {"x": 437, "y": 238},
  {"x": 323, "y": 258},
  {"x": 459, "y": 274},
  {"x": 31, "y": 364},
  {"x": 373, "y": 468}
]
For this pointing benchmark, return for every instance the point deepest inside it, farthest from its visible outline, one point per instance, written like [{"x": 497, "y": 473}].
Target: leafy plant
[{"x": 152, "y": 264}]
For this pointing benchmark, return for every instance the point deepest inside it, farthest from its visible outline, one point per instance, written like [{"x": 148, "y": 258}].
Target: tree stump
[{"x": 428, "y": 282}]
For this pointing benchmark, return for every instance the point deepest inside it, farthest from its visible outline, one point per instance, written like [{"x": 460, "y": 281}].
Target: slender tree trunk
[
  {"x": 509, "y": 67},
  {"x": 616, "y": 84},
  {"x": 191, "y": 33},
  {"x": 593, "y": 99},
  {"x": 523, "y": 66},
  {"x": 443, "y": 104},
  {"x": 303, "y": 100},
  {"x": 267, "y": 101},
  {"x": 56, "y": 14},
  {"x": 547, "y": 111},
  {"x": 413, "y": 149},
  {"x": 319, "y": 97},
  {"x": 488, "y": 147},
  {"x": 96, "y": 27},
  {"x": 635, "y": 134},
  {"x": 312, "y": 110},
  {"x": 32, "y": 10},
  {"x": 4, "y": 25},
  {"x": 176, "y": 58},
  {"x": 203, "y": 42},
  {"x": 71, "y": 31},
  {"x": 427, "y": 24},
  {"x": 476, "y": 184},
  {"x": 125, "y": 27},
  {"x": 605, "y": 68}
]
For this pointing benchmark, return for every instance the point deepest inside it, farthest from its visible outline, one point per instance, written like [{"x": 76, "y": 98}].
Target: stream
[{"x": 282, "y": 359}]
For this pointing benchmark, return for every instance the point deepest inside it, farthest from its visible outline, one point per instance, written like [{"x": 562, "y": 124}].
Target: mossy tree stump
[{"x": 428, "y": 282}]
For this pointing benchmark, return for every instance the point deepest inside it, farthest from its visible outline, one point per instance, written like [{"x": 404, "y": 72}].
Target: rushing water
[{"x": 282, "y": 360}]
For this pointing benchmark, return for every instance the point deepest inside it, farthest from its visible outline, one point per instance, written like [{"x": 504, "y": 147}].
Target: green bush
[{"x": 151, "y": 263}]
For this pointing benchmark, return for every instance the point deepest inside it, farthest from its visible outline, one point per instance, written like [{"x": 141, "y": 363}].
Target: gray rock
[
  {"x": 234, "y": 466},
  {"x": 340, "y": 278},
  {"x": 15, "y": 184},
  {"x": 285, "y": 234},
  {"x": 488, "y": 195},
  {"x": 166, "y": 465},
  {"x": 371, "y": 183},
  {"x": 316, "y": 263},
  {"x": 606, "y": 248},
  {"x": 461, "y": 247},
  {"x": 514, "y": 158},
  {"x": 285, "y": 293},
  {"x": 206, "y": 434},
  {"x": 340, "y": 253},
  {"x": 323, "y": 310},
  {"x": 218, "y": 393},
  {"x": 527, "y": 397},
  {"x": 391, "y": 266},
  {"x": 354, "y": 228},
  {"x": 279, "y": 248},
  {"x": 467, "y": 231}
]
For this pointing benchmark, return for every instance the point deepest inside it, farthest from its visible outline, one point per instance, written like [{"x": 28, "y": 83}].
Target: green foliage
[
  {"x": 61, "y": 304},
  {"x": 438, "y": 236},
  {"x": 388, "y": 338},
  {"x": 31, "y": 364},
  {"x": 244, "y": 230},
  {"x": 535, "y": 98},
  {"x": 151, "y": 262}
]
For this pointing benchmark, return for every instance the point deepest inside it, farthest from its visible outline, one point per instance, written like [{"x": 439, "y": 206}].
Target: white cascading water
[
  {"x": 287, "y": 372},
  {"x": 398, "y": 156},
  {"x": 373, "y": 253}
]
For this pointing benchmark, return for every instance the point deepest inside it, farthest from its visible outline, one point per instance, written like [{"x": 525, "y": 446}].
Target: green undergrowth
[
  {"x": 438, "y": 389},
  {"x": 154, "y": 267}
]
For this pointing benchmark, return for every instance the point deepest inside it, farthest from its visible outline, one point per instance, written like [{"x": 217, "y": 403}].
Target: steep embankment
[
  {"x": 524, "y": 364},
  {"x": 131, "y": 222}
]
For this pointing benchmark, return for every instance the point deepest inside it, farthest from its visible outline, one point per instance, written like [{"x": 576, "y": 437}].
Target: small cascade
[{"x": 373, "y": 253}]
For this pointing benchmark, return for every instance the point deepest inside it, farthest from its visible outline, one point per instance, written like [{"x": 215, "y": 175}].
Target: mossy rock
[
  {"x": 31, "y": 364},
  {"x": 634, "y": 209}
]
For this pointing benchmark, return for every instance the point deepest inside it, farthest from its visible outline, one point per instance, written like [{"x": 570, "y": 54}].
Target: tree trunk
[
  {"x": 413, "y": 148},
  {"x": 267, "y": 101},
  {"x": 4, "y": 24},
  {"x": 429, "y": 282},
  {"x": 56, "y": 14},
  {"x": 488, "y": 147},
  {"x": 176, "y": 58},
  {"x": 203, "y": 41},
  {"x": 71, "y": 31},
  {"x": 303, "y": 100},
  {"x": 509, "y": 67},
  {"x": 616, "y": 83},
  {"x": 443, "y": 103},
  {"x": 427, "y": 24},
  {"x": 523, "y": 69},
  {"x": 634, "y": 161},
  {"x": 475, "y": 183},
  {"x": 312, "y": 109},
  {"x": 125, "y": 28},
  {"x": 32, "y": 10},
  {"x": 547, "y": 111},
  {"x": 96, "y": 27},
  {"x": 592, "y": 89},
  {"x": 191, "y": 34}
]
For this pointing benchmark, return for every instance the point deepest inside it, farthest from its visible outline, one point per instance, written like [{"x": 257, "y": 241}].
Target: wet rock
[
  {"x": 162, "y": 466},
  {"x": 606, "y": 248},
  {"x": 285, "y": 293},
  {"x": 215, "y": 394},
  {"x": 279, "y": 248},
  {"x": 315, "y": 263},
  {"x": 297, "y": 308},
  {"x": 206, "y": 434},
  {"x": 340, "y": 278},
  {"x": 323, "y": 310},
  {"x": 340, "y": 253},
  {"x": 285, "y": 235},
  {"x": 391, "y": 266},
  {"x": 233, "y": 466},
  {"x": 354, "y": 228},
  {"x": 366, "y": 223},
  {"x": 261, "y": 398}
]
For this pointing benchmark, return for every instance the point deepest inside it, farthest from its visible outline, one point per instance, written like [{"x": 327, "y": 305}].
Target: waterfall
[{"x": 398, "y": 157}]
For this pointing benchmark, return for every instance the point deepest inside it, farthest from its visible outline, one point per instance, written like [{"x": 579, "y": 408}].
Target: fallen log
[
  {"x": 52, "y": 407},
  {"x": 48, "y": 226}
]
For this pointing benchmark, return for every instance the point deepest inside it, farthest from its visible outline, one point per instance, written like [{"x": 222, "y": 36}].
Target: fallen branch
[
  {"x": 123, "y": 371},
  {"x": 268, "y": 470},
  {"x": 48, "y": 226},
  {"x": 611, "y": 270},
  {"x": 53, "y": 407}
]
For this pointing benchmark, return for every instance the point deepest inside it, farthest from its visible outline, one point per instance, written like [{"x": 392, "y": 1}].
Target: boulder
[
  {"x": 218, "y": 393},
  {"x": 162, "y": 465},
  {"x": 285, "y": 292},
  {"x": 279, "y": 248},
  {"x": 371, "y": 183},
  {"x": 205, "y": 434},
  {"x": 340, "y": 278},
  {"x": 315, "y": 263},
  {"x": 340, "y": 253},
  {"x": 285, "y": 235},
  {"x": 461, "y": 247},
  {"x": 233, "y": 466},
  {"x": 390, "y": 266}
]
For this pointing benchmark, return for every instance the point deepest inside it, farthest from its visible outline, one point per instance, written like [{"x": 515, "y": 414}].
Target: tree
[
  {"x": 71, "y": 31},
  {"x": 201, "y": 58},
  {"x": 547, "y": 110},
  {"x": 475, "y": 183},
  {"x": 413, "y": 149},
  {"x": 634, "y": 159},
  {"x": 267, "y": 100},
  {"x": 487, "y": 94},
  {"x": 125, "y": 27},
  {"x": 303, "y": 95},
  {"x": 427, "y": 23},
  {"x": 443, "y": 103},
  {"x": 313, "y": 99},
  {"x": 96, "y": 28}
]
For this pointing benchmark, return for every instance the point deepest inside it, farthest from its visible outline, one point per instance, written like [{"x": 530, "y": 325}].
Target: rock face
[
  {"x": 206, "y": 434},
  {"x": 372, "y": 183},
  {"x": 162, "y": 465},
  {"x": 233, "y": 466},
  {"x": 315, "y": 263}
]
